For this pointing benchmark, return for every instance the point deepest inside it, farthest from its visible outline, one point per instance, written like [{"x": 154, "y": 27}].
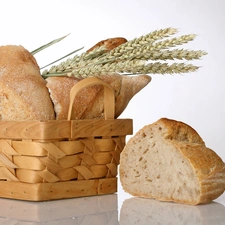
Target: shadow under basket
[{"x": 58, "y": 159}]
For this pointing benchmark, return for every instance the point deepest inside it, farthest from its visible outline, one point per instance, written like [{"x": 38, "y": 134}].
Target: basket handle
[{"x": 109, "y": 96}]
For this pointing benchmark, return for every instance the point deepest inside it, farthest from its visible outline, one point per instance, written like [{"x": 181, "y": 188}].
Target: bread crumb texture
[{"x": 169, "y": 161}]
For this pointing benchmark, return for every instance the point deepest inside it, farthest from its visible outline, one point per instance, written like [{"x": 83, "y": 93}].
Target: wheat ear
[{"x": 132, "y": 57}]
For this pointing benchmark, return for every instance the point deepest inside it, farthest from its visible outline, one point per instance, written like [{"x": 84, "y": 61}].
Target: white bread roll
[
  {"x": 23, "y": 92},
  {"x": 89, "y": 102},
  {"x": 168, "y": 161}
]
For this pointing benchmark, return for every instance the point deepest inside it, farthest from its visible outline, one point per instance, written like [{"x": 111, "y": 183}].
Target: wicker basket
[{"x": 46, "y": 160}]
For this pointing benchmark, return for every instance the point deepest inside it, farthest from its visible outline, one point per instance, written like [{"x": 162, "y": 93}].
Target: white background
[{"x": 195, "y": 98}]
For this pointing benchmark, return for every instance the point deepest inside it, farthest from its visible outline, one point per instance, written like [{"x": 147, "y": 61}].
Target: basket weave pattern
[
  {"x": 40, "y": 162},
  {"x": 46, "y": 160}
]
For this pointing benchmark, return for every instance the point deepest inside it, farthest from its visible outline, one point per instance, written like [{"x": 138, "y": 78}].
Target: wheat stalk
[
  {"x": 76, "y": 61},
  {"x": 161, "y": 55},
  {"x": 135, "y": 67},
  {"x": 129, "y": 67},
  {"x": 132, "y": 57},
  {"x": 143, "y": 40},
  {"x": 150, "y": 46},
  {"x": 173, "y": 42},
  {"x": 47, "y": 45}
]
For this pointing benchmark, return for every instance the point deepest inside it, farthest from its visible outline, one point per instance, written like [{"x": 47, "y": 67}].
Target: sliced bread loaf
[{"x": 169, "y": 161}]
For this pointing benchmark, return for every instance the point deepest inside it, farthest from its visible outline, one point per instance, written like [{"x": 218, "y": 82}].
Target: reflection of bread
[
  {"x": 168, "y": 161},
  {"x": 89, "y": 102},
  {"x": 23, "y": 92},
  {"x": 140, "y": 211}
]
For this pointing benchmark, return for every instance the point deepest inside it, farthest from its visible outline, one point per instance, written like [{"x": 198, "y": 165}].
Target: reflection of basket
[
  {"x": 45, "y": 160},
  {"x": 99, "y": 210}
]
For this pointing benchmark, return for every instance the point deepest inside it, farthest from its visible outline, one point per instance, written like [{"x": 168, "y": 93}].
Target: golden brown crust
[
  {"x": 130, "y": 86},
  {"x": 209, "y": 169},
  {"x": 88, "y": 104},
  {"x": 177, "y": 130},
  {"x": 13, "y": 53},
  {"x": 21, "y": 82},
  {"x": 181, "y": 143},
  {"x": 59, "y": 89},
  {"x": 109, "y": 43}
]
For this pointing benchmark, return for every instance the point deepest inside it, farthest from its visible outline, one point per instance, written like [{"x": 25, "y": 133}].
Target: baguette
[
  {"x": 169, "y": 161},
  {"x": 23, "y": 92},
  {"x": 89, "y": 102}
]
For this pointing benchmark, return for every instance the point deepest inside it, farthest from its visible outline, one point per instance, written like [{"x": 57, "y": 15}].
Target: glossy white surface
[
  {"x": 113, "y": 209},
  {"x": 142, "y": 211},
  {"x": 195, "y": 98}
]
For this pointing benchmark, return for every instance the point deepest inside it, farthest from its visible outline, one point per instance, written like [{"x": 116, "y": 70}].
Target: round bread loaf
[{"x": 23, "y": 91}]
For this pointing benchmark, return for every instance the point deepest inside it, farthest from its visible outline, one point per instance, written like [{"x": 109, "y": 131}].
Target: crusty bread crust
[
  {"x": 109, "y": 43},
  {"x": 168, "y": 161},
  {"x": 89, "y": 103},
  {"x": 23, "y": 92},
  {"x": 59, "y": 89},
  {"x": 179, "y": 131}
]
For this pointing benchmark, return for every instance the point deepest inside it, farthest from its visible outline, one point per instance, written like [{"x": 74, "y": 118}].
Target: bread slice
[
  {"x": 89, "y": 102},
  {"x": 169, "y": 161},
  {"x": 23, "y": 92}
]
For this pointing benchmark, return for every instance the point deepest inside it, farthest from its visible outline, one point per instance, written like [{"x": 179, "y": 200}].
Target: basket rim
[{"x": 64, "y": 129}]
